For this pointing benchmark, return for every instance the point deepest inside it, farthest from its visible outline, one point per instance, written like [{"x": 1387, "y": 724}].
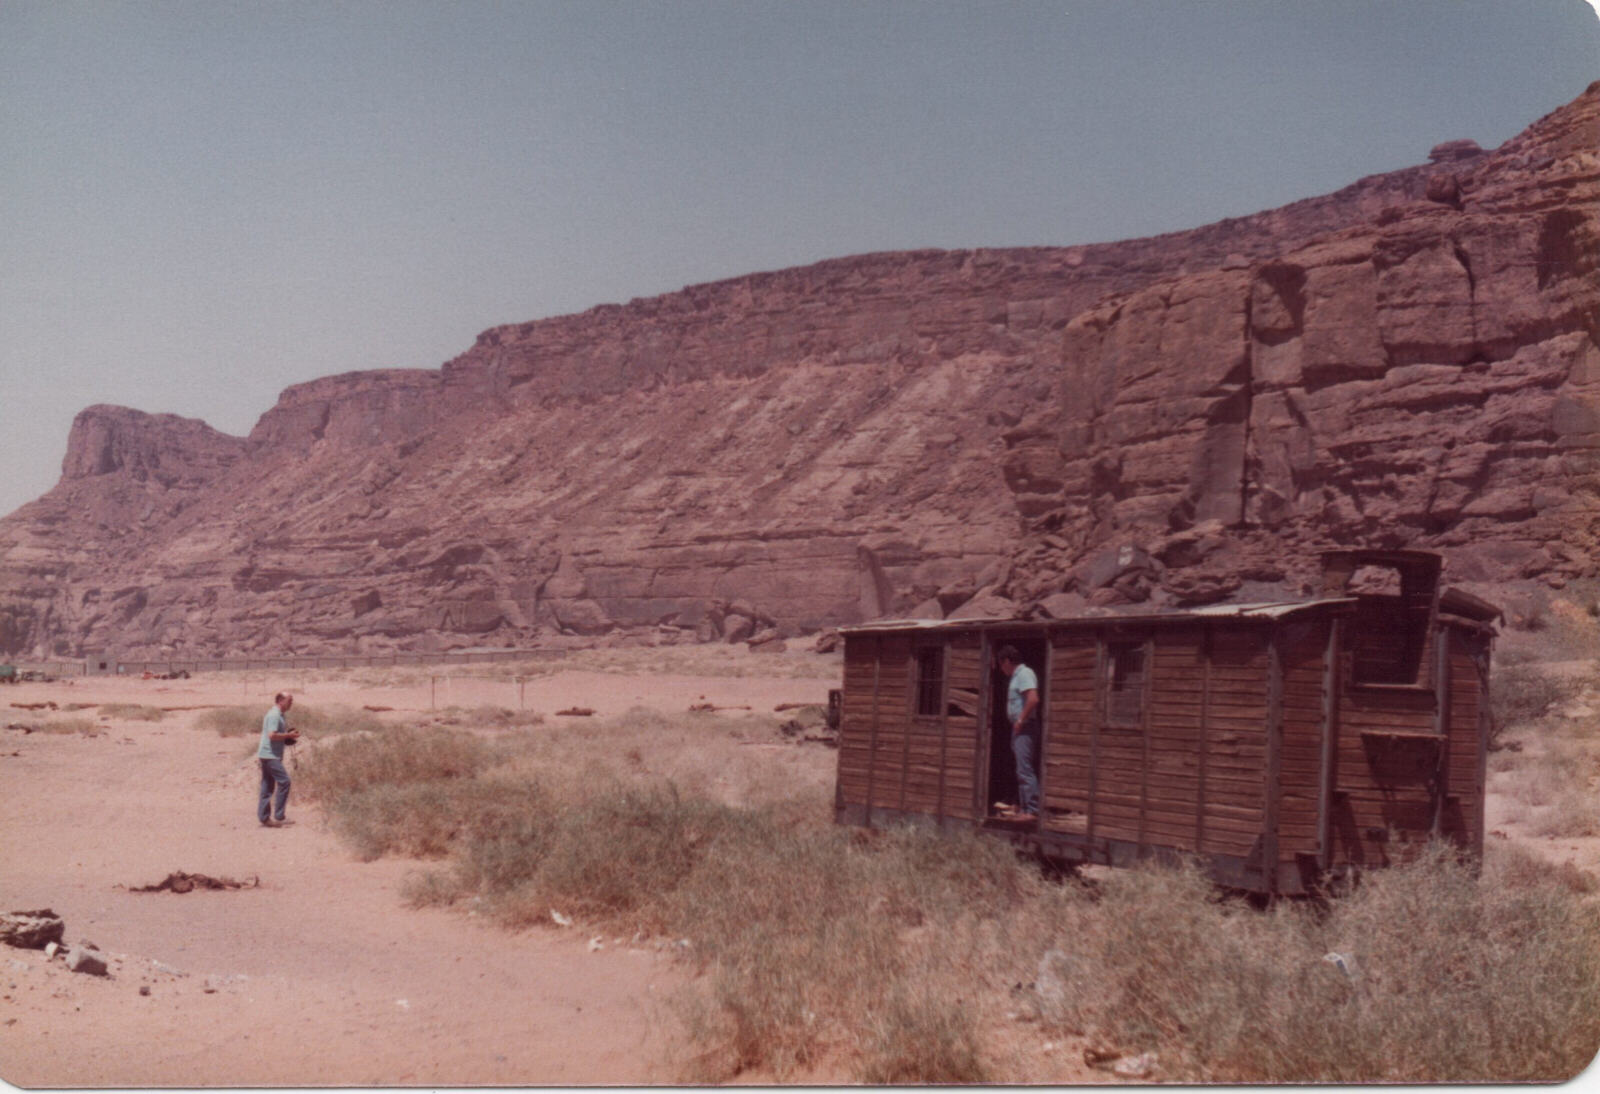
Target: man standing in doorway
[
  {"x": 1022, "y": 710},
  {"x": 275, "y": 733}
]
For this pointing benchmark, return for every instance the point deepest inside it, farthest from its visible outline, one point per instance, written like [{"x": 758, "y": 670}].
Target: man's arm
[{"x": 1030, "y": 703}]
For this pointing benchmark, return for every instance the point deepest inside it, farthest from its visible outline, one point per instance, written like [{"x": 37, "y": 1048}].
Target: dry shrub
[
  {"x": 313, "y": 721},
  {"x": 356, "y": 763},
  {"x": 504, "y": 717},
  {"x": 85, "y": 727},
  {"x": 425, "y": 819},
  {"x": 813, "y": 939},
  {"x": 133, "y": 712},
  {"x": 1522, "y": 694},
  {"x": 1458, "y": 979}
]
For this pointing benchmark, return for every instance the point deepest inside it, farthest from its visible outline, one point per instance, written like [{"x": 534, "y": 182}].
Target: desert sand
[
  {"x": 317, "y": 972},
  {"x": 320, "y": 974}
]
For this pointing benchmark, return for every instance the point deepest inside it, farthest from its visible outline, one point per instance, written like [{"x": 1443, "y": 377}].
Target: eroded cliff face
[{"x": 1410, "y": 360}]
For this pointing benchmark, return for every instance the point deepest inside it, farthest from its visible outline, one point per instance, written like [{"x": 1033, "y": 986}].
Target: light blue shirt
[
  {"x": 1022, "y": 680},
  {"x": 272, "y": 723}
]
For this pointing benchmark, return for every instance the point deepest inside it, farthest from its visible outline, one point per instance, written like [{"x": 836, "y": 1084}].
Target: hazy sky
[{"x": 207, "y": 202}]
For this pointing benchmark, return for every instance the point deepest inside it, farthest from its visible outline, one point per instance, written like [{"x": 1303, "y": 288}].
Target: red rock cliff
[{"x": 1412, "y": 359}]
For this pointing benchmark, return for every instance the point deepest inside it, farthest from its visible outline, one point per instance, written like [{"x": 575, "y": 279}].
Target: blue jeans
[
  {"x": 273, "y": 774},
  {"x": 1025, "y": 748}
]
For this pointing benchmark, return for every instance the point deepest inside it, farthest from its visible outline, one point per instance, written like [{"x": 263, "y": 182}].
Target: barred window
[{"x": 1125, "y": 684}]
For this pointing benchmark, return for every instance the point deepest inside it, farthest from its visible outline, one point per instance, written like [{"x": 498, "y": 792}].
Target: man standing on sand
[
  {"x": 1022, "y": 710},
  {"x": 275, "y": 733}
]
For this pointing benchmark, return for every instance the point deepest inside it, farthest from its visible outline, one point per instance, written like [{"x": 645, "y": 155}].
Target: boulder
[
  {"x": 737, "y": 628},
  {"x": 86, "y": 959},
  {"x": 31, "y": 930},
  {"x": 1193, "y": 587},
  {"x": 986, "y": 605}
]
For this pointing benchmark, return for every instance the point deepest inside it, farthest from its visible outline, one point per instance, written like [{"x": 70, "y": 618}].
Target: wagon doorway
[{"x": 1002, "y": 783}]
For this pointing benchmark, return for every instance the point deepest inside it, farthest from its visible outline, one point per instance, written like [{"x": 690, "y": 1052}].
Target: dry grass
[
  {"x": 1523, "y": 694},
  {"x": 312, "y": 721},
  {"x": 84, "y": 727},
  {"x": 133, "y": 712},
  {"x": 891, "y": 956},
  {"x": 1548, "y": 768},
  {"x": 1460, "y": 979}
]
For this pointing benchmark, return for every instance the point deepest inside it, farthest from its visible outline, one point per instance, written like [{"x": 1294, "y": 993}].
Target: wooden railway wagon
[{"x": 1278, "y": 743}]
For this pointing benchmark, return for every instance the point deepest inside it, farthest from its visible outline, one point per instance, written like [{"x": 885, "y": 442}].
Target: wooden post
[
  {"x": 1097, "y": 716},
  {"x": 907, "y": 721},
  {"x": 985, "y": 741},
  {"x": 1045, "y": 684},
  {"x": 1205, "y": 720},
  {"x": 1148, "y": 653},
  {"x": 1441, "y": 725},
  {"x": 872, "y": 732},
  {"x": 1274, "y": 790},
  {"x": 944, "y": 726},
  {"x": 433, "y": 693},
  {"x": 1328, "y": 781}
]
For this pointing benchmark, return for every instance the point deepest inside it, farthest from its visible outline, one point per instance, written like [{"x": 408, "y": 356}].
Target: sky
[{"x": 206, "y": 202}]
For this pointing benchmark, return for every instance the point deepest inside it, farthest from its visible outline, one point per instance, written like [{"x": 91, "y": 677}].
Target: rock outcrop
[{"x": 1412, "y": 360}]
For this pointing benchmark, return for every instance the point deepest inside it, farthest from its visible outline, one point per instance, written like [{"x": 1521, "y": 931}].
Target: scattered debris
[
  {"x": 827, "y": 642},
  {"x": 576, "y": 712},
  {"x": 1141, "y": 1066},
  {"x": 180, "y": 882},
  {"x": 1100, "y": 1056},
  {"x": 713, "y": 707},
  {"x": 31, "y": 930},
  {"x": 144, "y": 989},
  {"x": 85, "y": 958},
  {"x": 36, "y": 706},
  {"x": 596, "y": 943},
  {"x": 19, "y": 725},
  {"x": 561, "y": 920},
  {"x": 1345, "y": 963},
  {"x": 52, "y": 949},
  {"x": 377, "y": 710}
]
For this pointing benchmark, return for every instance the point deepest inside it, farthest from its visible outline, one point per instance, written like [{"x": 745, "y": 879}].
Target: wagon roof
[{"x": 1263, "y": 611}]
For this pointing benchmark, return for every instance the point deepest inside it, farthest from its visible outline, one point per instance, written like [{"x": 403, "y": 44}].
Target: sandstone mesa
[{"x": 1411, "y": 361}]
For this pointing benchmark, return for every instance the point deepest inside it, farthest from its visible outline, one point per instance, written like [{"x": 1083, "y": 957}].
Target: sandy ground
[{"x": 320, "y": 975}]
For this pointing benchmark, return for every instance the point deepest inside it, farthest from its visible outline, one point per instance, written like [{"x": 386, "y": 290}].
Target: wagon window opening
[
  {"x": 930, "y": 680},
  {"x": 1390, "y": 626},
  {"x": 1125, "y": 686}
]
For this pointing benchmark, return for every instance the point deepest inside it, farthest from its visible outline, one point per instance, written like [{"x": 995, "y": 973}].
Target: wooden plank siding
[
  {"x": 891, "y": 758},
  {"x": 1245, "y": 740},
  {"x": 1303, "y": 650},
  {"x": 1236, "y": 740},
  {"x": 1462, "y": 814},
  {"x": 1387, "y": 755},
  {"x": 1071, "y": 711}
]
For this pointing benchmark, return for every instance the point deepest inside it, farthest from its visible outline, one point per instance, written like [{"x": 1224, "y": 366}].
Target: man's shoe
[
  {"x": 283, "y": 823},
  {"x": 271, "y": 824}
]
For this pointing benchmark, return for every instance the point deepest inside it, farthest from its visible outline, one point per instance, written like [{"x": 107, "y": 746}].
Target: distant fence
[{"x": 116, "y": 667}]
